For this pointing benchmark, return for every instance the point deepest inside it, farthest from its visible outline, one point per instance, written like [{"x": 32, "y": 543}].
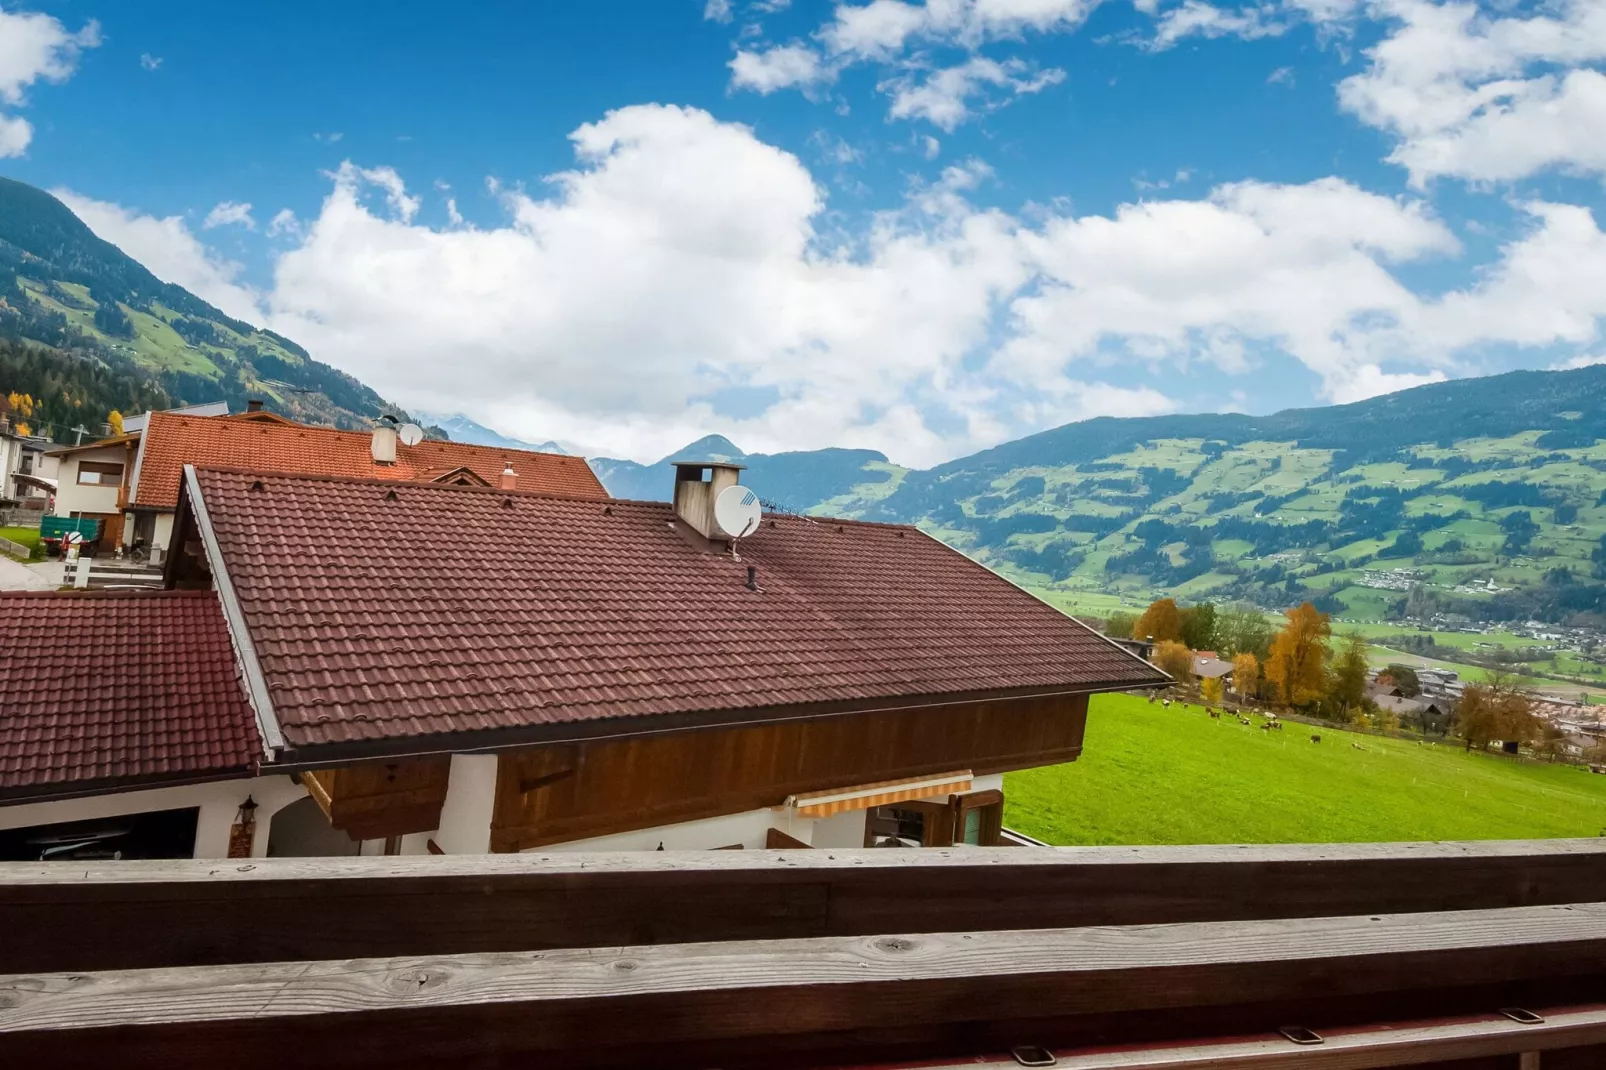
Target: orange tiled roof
[
  {"x": 599, "y": 613},
  {"x": 172, "y": 441},
  {"x": 119, "y": 687}
]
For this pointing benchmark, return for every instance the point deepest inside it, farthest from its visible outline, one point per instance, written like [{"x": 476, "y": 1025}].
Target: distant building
[{"x": 1206, "y": 666}]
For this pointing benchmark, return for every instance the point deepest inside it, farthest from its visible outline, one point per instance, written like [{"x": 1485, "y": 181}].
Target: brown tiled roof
[
  {"x": 100, "y": 688},
  {"x": 173, "y": 440},
  {"x": 380, "y": 612}
]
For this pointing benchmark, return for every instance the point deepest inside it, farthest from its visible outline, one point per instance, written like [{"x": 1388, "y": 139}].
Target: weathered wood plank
[
  {"x": 88, "y": 916},
  {"x": 484, "y": 1008}
]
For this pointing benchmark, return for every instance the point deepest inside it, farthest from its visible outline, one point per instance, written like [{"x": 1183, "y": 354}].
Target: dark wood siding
[{"x": 573, "y": 791}]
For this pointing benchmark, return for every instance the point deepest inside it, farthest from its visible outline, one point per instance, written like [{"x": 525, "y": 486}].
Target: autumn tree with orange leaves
[
  {"x": 1161, "y": 622},
  {"x": 1296, "y": 667}
]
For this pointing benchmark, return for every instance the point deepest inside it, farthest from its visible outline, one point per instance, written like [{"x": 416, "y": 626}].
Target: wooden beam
[
  {"x": 1394, "y": 1044},
  {"x": 488, "y": 1009},
  {"x": 125, "y": 915}
]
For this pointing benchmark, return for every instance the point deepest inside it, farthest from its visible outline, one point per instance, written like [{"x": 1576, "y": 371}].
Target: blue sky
[{"x": 921, "y": 227}]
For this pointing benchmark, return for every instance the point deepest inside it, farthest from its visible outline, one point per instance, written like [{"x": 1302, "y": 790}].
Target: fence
[
  {"x": 21, "y": 518},
  {"x": 95, "y": 573},
  {"x": 1084, "y": 958}
]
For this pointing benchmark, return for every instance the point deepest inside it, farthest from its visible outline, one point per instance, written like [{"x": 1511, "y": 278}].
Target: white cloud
[
  {"x": 15, "y": 134},
  {"x": 717, "y": 10},
  {"x": 1194, "y": 18},
  {"x": 149, "y": 62},
  {"x": 34, "y": 47},
  {"x": 943, "y": 97},
  {"x": 883, "y": 31},
  {"x": 228, "y": 213},
  {"x": 171, "y": 252},
  {"x": 681, "y": 263},
  {"x": 1281, "y": 76},
  {"x": 1474, "y": 96},
  {"x": 930, "y": 147},
  {"x": 334, "y": 136},
  {"x": 782, "y": 67},
  {"x": 1583, "y": 360},
  {"x": 284, "y": 221},
  {"x": 1256, "y": 267}
]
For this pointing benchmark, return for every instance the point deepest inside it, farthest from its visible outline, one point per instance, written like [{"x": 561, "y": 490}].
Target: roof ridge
[
  {"x": 235, "y": 420},
  {"x": 421, "y": 484}
]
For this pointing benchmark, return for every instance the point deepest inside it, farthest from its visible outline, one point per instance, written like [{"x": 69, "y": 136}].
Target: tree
[
  {"x": 1296, "y": 666},
  {"x": 114, "y": 420},
  {"x": 1245, "y": 674},
  {"x": 1162, "y": 622},
  {"x": 1496, "y": 710},
  {"x": 1243, "y": 629},
  {"x": 1210, "y": 689},
  {"x": 1120, "y": 624},
  {"x": 1174, "y": 659},
  {"x": 1404, "y": 678},
  {"x": 1199, "y": 627},
  {"x": 1350, "y": 671}
]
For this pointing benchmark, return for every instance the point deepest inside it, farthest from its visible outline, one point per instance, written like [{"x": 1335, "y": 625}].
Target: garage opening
[{"x": 157, "y": 834}]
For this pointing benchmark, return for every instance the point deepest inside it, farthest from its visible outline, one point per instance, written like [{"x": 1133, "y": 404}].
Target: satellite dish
[
  {"x": 737, "y": 512},
  {"x": 410, "y": 434}
]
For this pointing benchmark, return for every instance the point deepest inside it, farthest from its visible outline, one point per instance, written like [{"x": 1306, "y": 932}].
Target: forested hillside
[{"x": 82, "y": 299}]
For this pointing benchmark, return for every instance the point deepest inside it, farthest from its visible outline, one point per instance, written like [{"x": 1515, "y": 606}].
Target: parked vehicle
[{"x": 53, "y": 529}]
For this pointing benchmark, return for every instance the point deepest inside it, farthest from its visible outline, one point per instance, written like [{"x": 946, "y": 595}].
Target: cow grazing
[{"x": 1315, "y": 739}]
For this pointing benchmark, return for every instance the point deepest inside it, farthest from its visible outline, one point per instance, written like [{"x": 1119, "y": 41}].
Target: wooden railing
[{"x": 1395, "y": 955}]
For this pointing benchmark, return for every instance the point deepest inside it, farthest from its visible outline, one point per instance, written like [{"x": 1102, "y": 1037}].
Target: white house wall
[
  {"x": 218, "y": 803},
  {"x": 71, "y": 497}
]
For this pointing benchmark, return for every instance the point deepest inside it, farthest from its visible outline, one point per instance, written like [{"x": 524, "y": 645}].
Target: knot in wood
[
  {"x": 625, "y": 965},
  {"x": 409, "y": 981},
  {"x": 895, "y": 943}
]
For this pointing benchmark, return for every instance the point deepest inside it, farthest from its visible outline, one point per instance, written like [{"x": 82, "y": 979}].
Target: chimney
[
  {"x": 697, "y": 484},
  {"x": 510, "y": 478},
  {"x": 384, "y": 441},
  {"x": 253, "y": 405}
]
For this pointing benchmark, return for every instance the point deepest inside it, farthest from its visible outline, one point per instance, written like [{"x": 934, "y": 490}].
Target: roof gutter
[
  {"x": 492, "y": 740},
  {"x": 245, "y": 651}
]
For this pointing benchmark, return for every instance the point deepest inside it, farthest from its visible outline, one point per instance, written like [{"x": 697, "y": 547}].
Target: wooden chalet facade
[{"x": 601, "y": 675}]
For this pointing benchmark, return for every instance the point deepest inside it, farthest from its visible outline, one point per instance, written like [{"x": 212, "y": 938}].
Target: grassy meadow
[
  {"x": 1152, "y": 775},
  {"x": 28, "y": 537}
]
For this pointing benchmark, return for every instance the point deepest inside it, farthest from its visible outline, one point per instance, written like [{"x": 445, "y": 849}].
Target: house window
[
  {"x": 27, "y": 464},
  {"x": 99, "y": 473}
]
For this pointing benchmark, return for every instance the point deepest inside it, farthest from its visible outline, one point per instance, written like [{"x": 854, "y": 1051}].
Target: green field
[
  {"x": 28, "y": 537},
  {"x": 1151, "y": 775}
]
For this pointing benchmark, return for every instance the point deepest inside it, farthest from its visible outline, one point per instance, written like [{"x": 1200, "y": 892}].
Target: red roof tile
[
  {"x": 380, "y": 612},
  {"x": 111, "y": 687},
  {"x": 277, "y": 445}
]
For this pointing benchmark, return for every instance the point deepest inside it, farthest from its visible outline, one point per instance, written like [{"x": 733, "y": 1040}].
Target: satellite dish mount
[{"x": 737, "y": 513}]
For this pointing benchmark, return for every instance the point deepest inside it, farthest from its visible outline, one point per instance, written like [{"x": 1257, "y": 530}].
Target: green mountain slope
[
  {"x": 66, "y": 290},
  {"x": 1480, "y": 498}
]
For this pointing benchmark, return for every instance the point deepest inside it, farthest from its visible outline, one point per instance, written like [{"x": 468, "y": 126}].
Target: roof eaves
[
  {"x": 497, "y": 739},
  {"x": 244, "y": 649}
]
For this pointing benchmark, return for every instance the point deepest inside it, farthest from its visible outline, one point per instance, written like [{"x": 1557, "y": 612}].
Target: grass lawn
[
  {"x": 1153, "y": 775},
  {"x": 28, "y": 537}
]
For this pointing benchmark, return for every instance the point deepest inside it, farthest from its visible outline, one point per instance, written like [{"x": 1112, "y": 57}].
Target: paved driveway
[{"x": 41, "y": 576}]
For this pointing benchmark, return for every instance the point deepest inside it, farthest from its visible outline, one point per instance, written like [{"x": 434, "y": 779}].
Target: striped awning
[{"x": 881, "y": 793}]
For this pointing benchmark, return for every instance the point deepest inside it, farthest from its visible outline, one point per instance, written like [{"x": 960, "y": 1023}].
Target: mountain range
[
  {"x": 1481, "y": 498},
  {"x": 85, "y": 302}
]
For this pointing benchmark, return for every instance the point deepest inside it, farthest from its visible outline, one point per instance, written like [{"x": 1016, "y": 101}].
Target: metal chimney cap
[{"x": 709, "y": 464}]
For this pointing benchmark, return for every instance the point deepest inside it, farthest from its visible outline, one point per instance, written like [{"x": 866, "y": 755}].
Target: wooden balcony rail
[
  {"x": 1111, "y": 958},
  {"x": 120, "y": 915}
]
